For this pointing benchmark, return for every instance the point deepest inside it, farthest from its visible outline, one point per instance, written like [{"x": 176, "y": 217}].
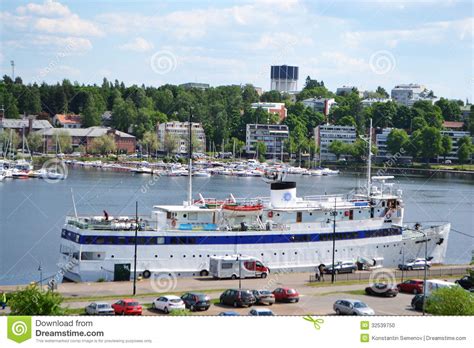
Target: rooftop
[
  {"x": 24, "y": 123},
  {"x": 68, "y": 118},
  {"x": 453, "y": 124},
  {"x": 85, "y": 132}
]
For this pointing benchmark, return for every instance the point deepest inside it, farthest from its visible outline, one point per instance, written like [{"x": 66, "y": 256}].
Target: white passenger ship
[{"x": 283, "y": 231}]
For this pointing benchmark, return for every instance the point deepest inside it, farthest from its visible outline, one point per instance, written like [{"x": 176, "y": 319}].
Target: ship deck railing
[{"x": 113, "y": 224}]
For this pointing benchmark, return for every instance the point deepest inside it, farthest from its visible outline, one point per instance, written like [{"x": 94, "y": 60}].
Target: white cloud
[
  {"x": 432, "y": 32},
  {"x": 65, "y": 44},
  {"x": 47, "y": 8},
  {"x": 70, "y": 25},
  {"x": 139, "y": 44}
]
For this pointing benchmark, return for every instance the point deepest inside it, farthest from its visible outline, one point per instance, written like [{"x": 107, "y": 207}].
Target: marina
[{"x": 98, "y": 190}]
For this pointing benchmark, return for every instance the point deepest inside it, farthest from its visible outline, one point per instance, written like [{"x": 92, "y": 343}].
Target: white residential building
[
  {"x": 455, "y": 135},
  {"x": 272, "y": 108},
  {"x": 180, "y": 132},
  {"x": 370, "y": 101},
  {"x": 272, "y": 135},
  {"x": 322, "y": 105},
  {"x": 408, "y": 94},
  {"x": 344, "y": 90},
  {"x": 325, "y": 134}
]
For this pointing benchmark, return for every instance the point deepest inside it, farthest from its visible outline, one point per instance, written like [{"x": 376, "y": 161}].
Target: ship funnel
[{"x": 283, "y": 194}]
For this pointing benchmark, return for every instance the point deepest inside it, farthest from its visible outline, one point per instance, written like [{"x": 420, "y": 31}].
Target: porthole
[
  {"x": 296, "y": 253},
  {"x": 184, "y": 215},
  {"x": 156, "y": 256},
  {"x": 200, "y": 255},
  {"x": 184, "y": 255},
  {"x": 283, "y": 253},
  {"x": 274, "y": 254},
  {"x": 194, "y": 255},
  {"x": 171, "y": 256},
  {"x": 261, "y": 254},
  {"x": 112, "y": 256}
]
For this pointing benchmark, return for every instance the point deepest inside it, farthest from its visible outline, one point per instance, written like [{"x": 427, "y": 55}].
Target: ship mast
[
  {"x": 369, "y": 160},
  {"x": 190, "y": 160}
]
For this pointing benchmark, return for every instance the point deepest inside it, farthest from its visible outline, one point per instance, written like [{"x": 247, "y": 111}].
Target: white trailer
[
  {"x": 435, "y": 284},
  {"x": 236, "y": 267}
]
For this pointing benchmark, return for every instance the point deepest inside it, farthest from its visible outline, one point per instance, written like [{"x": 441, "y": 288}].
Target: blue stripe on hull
[{"x": 233, "y": 239}]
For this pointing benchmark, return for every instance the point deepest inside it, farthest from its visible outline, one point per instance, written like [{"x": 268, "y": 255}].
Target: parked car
[
  {"x": 127, "y": 307},
  {"x": 196, "y": 301},
  {"x": 417, "y": 302},
  {"x": 286, "y": 295},
  {"x": 412, "y": 286},
  {"x": 99, "y": 308},
  {"x": 261, "y": 312},
  {"x": 229, "y": 314},
  {"x": 341, "y": 267},
  {"x": 352, "y": 307},
  {"x": 466, "y": 282},
  {"x": 382, "y": 289},
  {"x": 237, "y": 298},
  {"x": 168, "y": 303},
  {"x": 263, "y": 297},
  {"x": 414, "y": 264}
]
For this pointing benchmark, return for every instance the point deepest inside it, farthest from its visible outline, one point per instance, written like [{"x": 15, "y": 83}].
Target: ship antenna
[
  {"x": 190, "y": 160},
  {"x": 74, "y": 203},
  {"x": 369, "y": 160}
]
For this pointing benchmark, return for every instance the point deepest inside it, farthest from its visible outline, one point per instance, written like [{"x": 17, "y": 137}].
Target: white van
[
  {"x": 236, "y": 267},
  {"x": 435, "y": 284}
]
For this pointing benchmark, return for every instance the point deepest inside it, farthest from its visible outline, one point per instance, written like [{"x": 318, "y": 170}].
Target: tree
[
  {"x": 64, "y": 141},
  {"x": 170, "y": 143},
  {"x": 261, "y": 149},
  {"x": 359, "y": 149},
  {"x": 90, "y": 114},
  {"x": 33, "y": 301},
  {"x": 431, "y": 143},
  {"x": 338, "y": 148},
  {"x": 104, "y": 145},
  {"x": 450, "y": 301},
  {"x": 9, "y": 141},
  {"x": 418, "y": 123},
  {"x": 381, "y": 92},
  {"x": 271, "y": 96},
  {"x": 464, "y": 149},
  {"x": 397, "y": 139},
  {"x": 402, "y": 118},
  {"x": 446, "y": 146},
  {"x": 346, "y": 121},
  {"x": 384, "y": 113},
  {"x": 239, "y": 146},
  {"x": 150, "y": 142},
  {"x": 35, "y": 141},
  {"x": 450, "y": 109}
]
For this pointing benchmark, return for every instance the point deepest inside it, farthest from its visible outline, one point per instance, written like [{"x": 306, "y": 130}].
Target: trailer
[{"x": 237, "y": 266}]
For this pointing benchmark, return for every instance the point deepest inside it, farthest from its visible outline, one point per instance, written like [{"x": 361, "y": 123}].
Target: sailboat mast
[
  {"x": 369, "y": 160},
  {"x": 190, "y": 157}
]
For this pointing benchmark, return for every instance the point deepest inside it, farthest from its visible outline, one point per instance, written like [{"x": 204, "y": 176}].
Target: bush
[
  {"x": 450, "y": 301},
  {"x": 179, "y": 312},
  {"x": 33, "y": 301}
]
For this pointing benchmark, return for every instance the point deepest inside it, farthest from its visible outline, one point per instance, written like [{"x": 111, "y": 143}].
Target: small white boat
[{"x": 201, "y": 174}]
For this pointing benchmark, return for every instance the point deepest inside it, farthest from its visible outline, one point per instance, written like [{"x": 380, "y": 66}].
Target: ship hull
[{"x": 193, "y": 260}]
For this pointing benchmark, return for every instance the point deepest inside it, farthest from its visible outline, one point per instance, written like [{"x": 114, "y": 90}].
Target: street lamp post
[
  {"x": 334, "y": 214},
  {"x": 240, "y": 272},
  {"x": 426, "y": 269},
  {"x": 135, "y": 253}
]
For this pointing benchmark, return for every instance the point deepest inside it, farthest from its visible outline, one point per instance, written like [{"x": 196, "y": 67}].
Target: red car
[
  {"x": 286, "y": 295},
  {"x": 127, "y": 307},
  {"x": 412, "y": 286}
]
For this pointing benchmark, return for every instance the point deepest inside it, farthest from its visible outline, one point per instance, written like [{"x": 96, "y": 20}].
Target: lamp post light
[
  {"x": 425, "y": 269},
  {"x": 40, "y": 269}
]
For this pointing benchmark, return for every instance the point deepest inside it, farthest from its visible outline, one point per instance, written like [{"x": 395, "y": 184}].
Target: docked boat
[{"x": 286, "y": 232}]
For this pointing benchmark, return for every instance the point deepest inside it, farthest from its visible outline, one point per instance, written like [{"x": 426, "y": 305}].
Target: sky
[{"x": 357, "y": 43}]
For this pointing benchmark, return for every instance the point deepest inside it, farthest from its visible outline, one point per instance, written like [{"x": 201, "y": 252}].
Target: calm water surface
[{"x": 32, "y": 211}]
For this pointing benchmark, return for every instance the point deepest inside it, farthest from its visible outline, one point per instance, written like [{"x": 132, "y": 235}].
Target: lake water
[{"x": 32, "y": 212}]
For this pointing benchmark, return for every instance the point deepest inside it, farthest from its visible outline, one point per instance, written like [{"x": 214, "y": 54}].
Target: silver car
[
  {"x": 352, "y": 307},
  {"x": 264, "y": 297},
  {"x": 99, "y": 308}
]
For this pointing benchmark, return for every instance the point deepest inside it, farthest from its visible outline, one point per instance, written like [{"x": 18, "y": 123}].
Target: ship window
[
  {"x": 156, "y": 256},
  {"x": 184, "y": 215},
  {"x": 131, "y": 240},
  {"x": 160, "y": 240},
  {"x": 152, "y": 240},
  {"x": 192, "y": 216},
  {"x": 88, "y": 239},
  {"x": 112, "y": 256},
  {"x": 109, "y": 240},
  {"x": 141, "y": 240},
  {"x": 99, "y": 240},
  {"x": 121, "y": 240}
]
